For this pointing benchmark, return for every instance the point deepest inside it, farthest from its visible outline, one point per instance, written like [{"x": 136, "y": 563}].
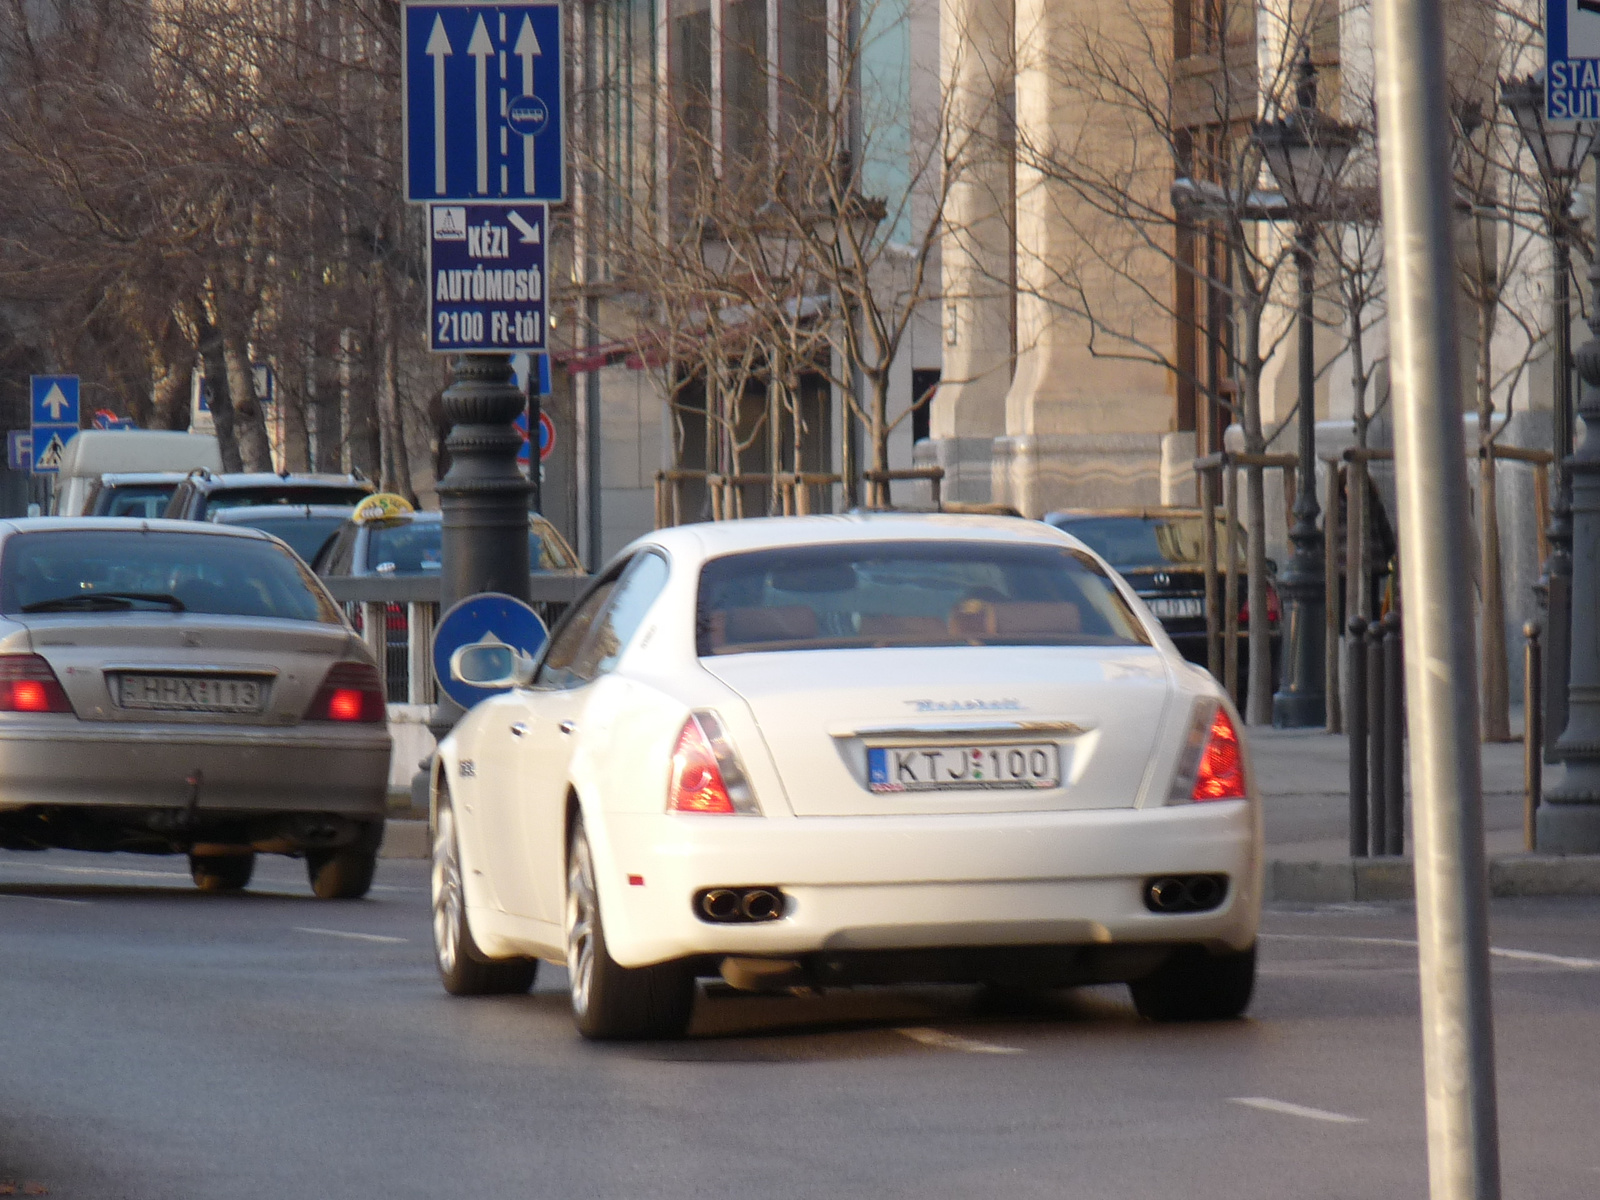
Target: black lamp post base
[
  {"x": 1568, "y": 828},
  {"x": 1291, "y": 711}
]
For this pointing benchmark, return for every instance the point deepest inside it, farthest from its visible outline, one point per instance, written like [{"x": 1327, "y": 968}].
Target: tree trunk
[
  {"x": 1496, "y": 699},
  {"x": 250, "y": 422},
  {"x": 1258, "y": 689},
  {"x": 396, "y": 476},
  {"x": 359, "y": 403},
  {"x": 326, "y": 369},
  {"x": 214, "y": 359}
]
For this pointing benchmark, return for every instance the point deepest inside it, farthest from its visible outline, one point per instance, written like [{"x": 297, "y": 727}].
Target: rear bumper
[
  {"x": 61, "y": 761},
  {"x": 898, "y": 883}
]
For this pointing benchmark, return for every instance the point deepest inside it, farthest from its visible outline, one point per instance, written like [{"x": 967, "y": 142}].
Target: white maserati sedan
[{"x": 831, "y": 751}]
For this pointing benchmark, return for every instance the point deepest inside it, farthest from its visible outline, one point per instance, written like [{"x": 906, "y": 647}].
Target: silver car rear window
[
  {"x": 881, "y": 594},
  {"x": 136, "y": 570}
]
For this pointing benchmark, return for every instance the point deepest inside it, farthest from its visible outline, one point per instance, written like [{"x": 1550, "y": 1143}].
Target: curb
[
  {"x": 404, "y": 839},
  {"x": 1346, "y": 879}
]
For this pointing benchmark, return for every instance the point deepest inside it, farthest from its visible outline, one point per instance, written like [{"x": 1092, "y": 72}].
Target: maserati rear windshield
[{"x": 883, "y": 594}]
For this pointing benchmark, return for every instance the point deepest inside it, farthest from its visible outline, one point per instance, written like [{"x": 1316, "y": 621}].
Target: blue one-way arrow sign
[
  {"x": 55, "y": 399},
  {"x": 483, "y": 113},
  {"x": 55, "y": 419}
]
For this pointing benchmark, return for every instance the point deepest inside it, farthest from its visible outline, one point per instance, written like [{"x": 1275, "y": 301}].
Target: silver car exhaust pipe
[
  {"x": 1185, "y": 893},
  {"x": 727, "y": 906}
]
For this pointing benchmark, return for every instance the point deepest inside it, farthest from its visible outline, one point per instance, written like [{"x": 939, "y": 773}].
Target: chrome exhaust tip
[
  {"x": 720, "y": 904},
  {"x": 761, "y": 905}
]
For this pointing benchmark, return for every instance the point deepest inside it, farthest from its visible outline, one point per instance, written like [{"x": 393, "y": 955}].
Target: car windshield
[
  {"x": 306, "y": 534},
  {"x": 114, "y": 570},
  {"x": 286, "y": 494},
  {"x": 1146, "y": 541},
  {"x": 135, "y": 500},
  {"x": 881, "y": 594},
  {"x": 414, "y": 548}
]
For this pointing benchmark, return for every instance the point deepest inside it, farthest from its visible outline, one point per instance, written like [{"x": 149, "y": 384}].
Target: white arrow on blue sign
[
  {"x": 483, "y": 114},
  {"x": 55, "y": 419},
  {"x": 486, "y": 617},
  {"x": 1572, "y": 67}
]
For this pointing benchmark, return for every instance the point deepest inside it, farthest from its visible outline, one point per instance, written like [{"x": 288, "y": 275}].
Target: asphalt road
[{"x": 160, "y": 1044}]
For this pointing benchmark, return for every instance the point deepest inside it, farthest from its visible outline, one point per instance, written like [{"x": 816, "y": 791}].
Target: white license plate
[
  {"x": 190, "y": 693},
  {"x": 963, "y": 768},
  {"x": 1178, "y": 607}
]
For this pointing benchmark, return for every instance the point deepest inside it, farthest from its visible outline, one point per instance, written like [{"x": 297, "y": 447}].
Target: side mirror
[{"x": 491, "y": 665}]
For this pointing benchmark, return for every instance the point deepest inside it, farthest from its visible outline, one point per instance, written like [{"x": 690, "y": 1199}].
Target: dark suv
[
  {"x": 202, "y": 493},
  {"x": 1157, "y": 550}
]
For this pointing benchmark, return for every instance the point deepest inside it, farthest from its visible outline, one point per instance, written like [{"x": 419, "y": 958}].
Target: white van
[{"x": 96, "y": 452}]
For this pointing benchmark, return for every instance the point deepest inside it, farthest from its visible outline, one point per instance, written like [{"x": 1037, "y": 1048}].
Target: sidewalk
[
  {"x": 1304, "y": 782},
  {"x": 1304, "y": 779}
]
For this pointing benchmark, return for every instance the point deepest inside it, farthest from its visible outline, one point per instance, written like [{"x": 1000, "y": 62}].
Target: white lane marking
[
  {"x": 940, "y": 1040},
  {"x": 44, "y": 899},
  {"x": 345, "y": 933},
  {"x": 98, "y": 870},
  {"x": 1536, "y": 956},
  {"x": 1267, "y": 1104}
]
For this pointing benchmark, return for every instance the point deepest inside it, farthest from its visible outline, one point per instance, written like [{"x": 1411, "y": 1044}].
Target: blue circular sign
[
  {"x": 487, "y": 617},
  {"x": 528, "y": 115}
]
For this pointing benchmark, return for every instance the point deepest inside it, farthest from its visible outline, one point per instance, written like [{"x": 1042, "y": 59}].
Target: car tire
[
  {"x": 222, "y": 872},
  {"x": 1193, "y": 985},
  {"x": 463, "y": 968},
  {"x": 612, "y": 1002},
  {"x": 341, "y": 874}
]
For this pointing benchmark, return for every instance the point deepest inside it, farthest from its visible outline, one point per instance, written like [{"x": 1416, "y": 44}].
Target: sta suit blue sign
[{"x": 484, "y": 119}]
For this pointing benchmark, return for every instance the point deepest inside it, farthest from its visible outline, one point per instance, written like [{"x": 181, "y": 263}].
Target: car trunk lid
[
  {"x": 188, "y": 668},
  {"x": 823, "y": 712}
]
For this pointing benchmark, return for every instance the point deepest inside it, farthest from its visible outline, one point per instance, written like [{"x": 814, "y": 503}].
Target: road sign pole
[
  {"x": 483, "y": 498},
  {"x": 1414, "y": 137}
]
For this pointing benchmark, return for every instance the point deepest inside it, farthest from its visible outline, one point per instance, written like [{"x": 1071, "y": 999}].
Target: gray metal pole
[
  {"x": 1441, "y": 674},
  {"x": 1356, "y": 727},
  {"x": 1300, "y": 702}
]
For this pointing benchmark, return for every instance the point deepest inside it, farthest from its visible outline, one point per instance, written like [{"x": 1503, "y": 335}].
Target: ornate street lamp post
[
  {"x": 1305, "y": 150},
  {"x": 1558, "y": 149},
  {"x": 1569, "y": 819}
]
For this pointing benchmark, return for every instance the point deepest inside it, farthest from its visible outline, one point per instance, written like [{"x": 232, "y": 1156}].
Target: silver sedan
[{"x": 168, "y": 687}]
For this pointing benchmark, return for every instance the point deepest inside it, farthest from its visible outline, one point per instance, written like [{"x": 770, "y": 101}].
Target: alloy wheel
[
  {"x": 447, "y": 903},
  {"x": 582, "y": 909}
]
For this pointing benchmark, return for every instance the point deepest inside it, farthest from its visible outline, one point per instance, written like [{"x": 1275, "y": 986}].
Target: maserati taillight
[
  {"x": 706, "y": 775},
  {"x": 1220, "y": 773}
]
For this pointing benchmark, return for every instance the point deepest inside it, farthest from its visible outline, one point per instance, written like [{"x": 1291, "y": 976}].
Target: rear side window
[
  {"x": 112, "y": 571},
  {"x": 880, "y": 594}
]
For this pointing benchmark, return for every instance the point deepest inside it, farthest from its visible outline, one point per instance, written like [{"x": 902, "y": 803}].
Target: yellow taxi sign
[{"x": 382, "y": 506}]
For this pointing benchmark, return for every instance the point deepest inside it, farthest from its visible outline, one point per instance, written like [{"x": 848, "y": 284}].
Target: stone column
[{"x": 968, "y": 412}]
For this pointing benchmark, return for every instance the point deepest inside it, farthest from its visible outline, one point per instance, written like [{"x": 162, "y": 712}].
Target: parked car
[
  {"x": 94, "y": 453},
  {"x": 385, "y": 536},
  {"x": 202, "y": 492},
  {"x": 173, "y": 687},
  {"x": 411, "y": 543},
  {"x": 131, "y": 493},
  {"x": 306, "y": 527},
  {"x": 1158, "y": 551},
  {"x": 821, "y": 751}
]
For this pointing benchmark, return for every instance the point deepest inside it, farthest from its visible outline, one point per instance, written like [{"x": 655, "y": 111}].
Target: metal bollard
[
  {"x": 1394, "y": 737},
  {"x": 1377, "y": 729},
  {"x": 1356, "y": 727},
  {"x": 1532, "y": 732}
]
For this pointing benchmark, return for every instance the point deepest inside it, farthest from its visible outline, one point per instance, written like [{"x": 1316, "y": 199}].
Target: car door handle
[
  {"x": 567, "y": 726},
  {"x": 519, "y": 730}
]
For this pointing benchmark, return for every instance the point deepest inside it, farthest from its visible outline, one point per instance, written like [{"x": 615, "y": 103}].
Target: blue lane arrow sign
[
  {"x": 55, "y": 399},
  {"x": 486, "y": 617},
  {"x": 482, "y": 88}
]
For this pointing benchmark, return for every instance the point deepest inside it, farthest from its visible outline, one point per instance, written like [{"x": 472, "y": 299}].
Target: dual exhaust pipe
[
  {"x": 1185, "y": 893},
  {"x": 730, "y": 906}
]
